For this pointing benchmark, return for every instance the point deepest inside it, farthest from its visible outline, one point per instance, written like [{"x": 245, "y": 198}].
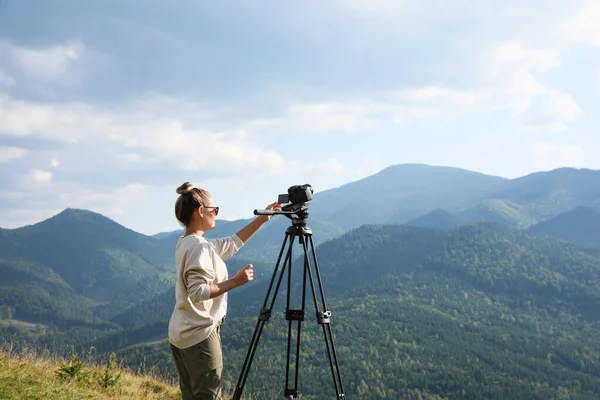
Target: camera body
[{"x": 297, "y": 194}]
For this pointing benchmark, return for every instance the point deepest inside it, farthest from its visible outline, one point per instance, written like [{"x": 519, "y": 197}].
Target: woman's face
[{"x": 209, "y": 214}]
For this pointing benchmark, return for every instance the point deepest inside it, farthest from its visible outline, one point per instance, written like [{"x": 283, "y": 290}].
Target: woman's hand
[
  {"x": 244, "y": 275},
  {"x": 273, "y": 206},
  {"x": 249, "y": 230}
]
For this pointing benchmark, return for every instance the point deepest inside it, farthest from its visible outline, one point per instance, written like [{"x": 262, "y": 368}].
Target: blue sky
[{"x": 109, "y": 106}]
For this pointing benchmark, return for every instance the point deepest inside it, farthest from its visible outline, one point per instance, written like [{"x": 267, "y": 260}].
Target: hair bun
[{"x": 185, "y": 188}]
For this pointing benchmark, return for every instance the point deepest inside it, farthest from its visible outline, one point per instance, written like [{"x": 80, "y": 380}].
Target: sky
[{"x": 109, "y": 106}]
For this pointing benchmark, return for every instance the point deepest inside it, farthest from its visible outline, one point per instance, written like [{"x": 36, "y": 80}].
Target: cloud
[
  {"x": 113, "y": 202},
  {"x": 583, "y": 26},
  {"x": 133, "y": 133},
  {"x": 319, "y": 118},
  {"x": 11, "y": 153},
  {"x": 509, "y": 84},
  {"x": 6, "y": 80},
  {"x": 546, "y": 155},
  {"x": 381, "y": 9},
  {"x": 41, "y": 176},
  {"x": 46, "y": 63},
  {"x": 52, "y": 71},
  {"x": 433, "y": 102},
  {"x": 54, "y": 163},
  {"x": 551, "y": 112},
  {"x": 20, "y": 216},
  {"x": 330, "y": 166},
  {"x": 45, "y": 120},
  {"x": 515, "y": 56}
]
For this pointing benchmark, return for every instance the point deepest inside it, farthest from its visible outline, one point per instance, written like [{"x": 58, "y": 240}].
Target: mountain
[
  {"x": 400, "y": 193},
  {"x": 580, "y": 226},
  {"x": 407, "y": 193},
  {"x": 548, "y": 194},
  {"x": 438, "y": 219},
  {"x": 501, "y": 211},
  {"x": 92, "y": 254},
  {"x": 35, "y": 293}
]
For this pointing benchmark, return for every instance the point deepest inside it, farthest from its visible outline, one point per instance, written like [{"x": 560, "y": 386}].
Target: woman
[{"x": 201, "y": 292}]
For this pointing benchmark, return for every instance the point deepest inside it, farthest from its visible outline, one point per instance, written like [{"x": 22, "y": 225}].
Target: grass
[{"x": 26, "y": 375}]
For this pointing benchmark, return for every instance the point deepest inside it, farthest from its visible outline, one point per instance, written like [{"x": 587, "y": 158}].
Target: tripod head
[{"x": 297, "y": 198}]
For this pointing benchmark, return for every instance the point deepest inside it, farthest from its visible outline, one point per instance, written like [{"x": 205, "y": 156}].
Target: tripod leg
[
  {"x": 294, "y": 315},
  {"x": 265, "y": 315},
  {"x": 323, "y": 318}
]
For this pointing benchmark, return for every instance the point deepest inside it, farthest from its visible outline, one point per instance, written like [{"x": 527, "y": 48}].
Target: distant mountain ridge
[
  {"x": 580, "y": 226},
  {"x": 412, "y": 194}
]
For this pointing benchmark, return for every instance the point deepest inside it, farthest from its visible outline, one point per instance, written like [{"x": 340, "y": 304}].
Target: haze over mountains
[{"x": 443, "y": 282}]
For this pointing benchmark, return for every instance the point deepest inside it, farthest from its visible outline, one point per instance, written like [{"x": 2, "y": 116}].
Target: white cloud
[
  {"x": 17, "y": 217},
  {"x": 509, "y": 84},
  {"x": 87, "y": 197},
  {"x": 61, "y": 123},
  {"x": 11, "y": 153},
  {"x": 551, "y": 112},
  {"x": 386, "y": 9},
  {"x": 546, "y": 155},
  {"x": 433, "y": 102},
  {"x": 326, "y": 167},
  {"x": 117, "y": 201},
  {"x": 44, "y": 63},
  {"x": 583, "y": 27},
  {"x": 41, "y": 176},
  {"x": 133, "y": 130},
  {"x": 54, "y": 163},
  {"x": 195, "y": 149},
  {"x": 515, "y": 56},
  {"x": 319, "y": 118},
  {"x": 438, "y": 94},
  {"x": 6, "y": 80},
  {"x": 130, "y": 157}
]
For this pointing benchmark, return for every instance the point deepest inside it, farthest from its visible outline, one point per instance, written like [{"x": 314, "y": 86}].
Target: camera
[
  {"x": 295, "y": 200},
  {"x": 297, "y": 194}
]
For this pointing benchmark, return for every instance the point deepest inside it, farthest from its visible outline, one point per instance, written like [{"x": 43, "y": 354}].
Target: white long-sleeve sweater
[{"x": 199, "y": 263}]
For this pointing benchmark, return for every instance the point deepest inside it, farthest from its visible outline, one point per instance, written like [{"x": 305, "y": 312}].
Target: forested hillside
[{"x": 480, "y": 312}]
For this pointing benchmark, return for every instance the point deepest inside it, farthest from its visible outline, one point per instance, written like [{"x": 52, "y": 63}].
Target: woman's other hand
[{"x": 244, "y": 275}]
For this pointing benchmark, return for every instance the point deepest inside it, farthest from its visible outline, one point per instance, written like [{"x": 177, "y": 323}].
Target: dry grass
[{"x": 30, "y": 376}]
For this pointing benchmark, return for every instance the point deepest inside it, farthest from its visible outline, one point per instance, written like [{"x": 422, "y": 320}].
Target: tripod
[{"x": 299, "y": 230}]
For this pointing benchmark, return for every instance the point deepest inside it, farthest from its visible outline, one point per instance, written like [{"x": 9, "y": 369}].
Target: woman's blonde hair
[{"x": 189, "y": 199}]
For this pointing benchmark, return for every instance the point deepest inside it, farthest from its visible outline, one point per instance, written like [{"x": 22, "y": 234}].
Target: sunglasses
[{"x": 214, "y": 208}]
